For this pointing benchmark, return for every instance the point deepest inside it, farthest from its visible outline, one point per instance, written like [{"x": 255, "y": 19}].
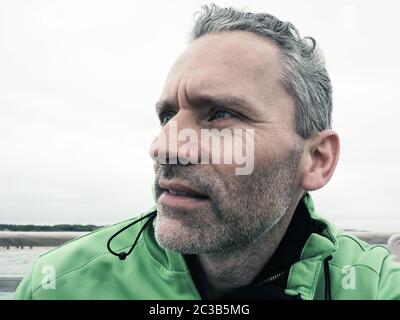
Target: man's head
[{"x": 242, "y": 71}]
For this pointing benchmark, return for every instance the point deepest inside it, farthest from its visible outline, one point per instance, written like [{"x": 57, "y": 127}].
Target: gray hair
[{"x": 303, "y": 70}]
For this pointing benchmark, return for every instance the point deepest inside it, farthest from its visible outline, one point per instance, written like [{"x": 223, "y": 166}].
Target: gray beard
[{"x": 239, "y": 214}]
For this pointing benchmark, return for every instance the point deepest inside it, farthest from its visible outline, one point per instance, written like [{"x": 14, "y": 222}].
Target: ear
[{"x": 320, "y": 159}]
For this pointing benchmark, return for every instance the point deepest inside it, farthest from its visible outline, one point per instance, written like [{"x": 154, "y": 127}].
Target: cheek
[
  {"x": 270, "y": 146},
  {"x": 251, "y": 152},
  {"x": 221, "y": 179},
  {"x": 265, "y": 151},
  {"x": 227, "y": 183}
]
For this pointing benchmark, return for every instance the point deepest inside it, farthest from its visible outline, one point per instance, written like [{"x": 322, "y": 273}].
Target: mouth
[{"x": 180, "y": 195}]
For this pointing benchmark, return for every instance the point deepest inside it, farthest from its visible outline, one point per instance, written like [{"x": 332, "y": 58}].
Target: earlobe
[{"x": 322, "y": 155}]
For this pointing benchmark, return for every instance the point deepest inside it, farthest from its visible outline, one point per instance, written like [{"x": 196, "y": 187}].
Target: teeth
[{"x": 178, "y": 193}]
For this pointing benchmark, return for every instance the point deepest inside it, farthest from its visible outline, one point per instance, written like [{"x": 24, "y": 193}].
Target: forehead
[{"x": 239, "y": 62}]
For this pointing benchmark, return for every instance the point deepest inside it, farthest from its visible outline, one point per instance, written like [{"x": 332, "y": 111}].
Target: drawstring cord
[
  {"x": 122, "y": 255},
  {"x": 327, "y": 278}
]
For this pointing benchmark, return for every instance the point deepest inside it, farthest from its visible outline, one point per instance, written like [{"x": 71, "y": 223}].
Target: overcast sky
[{"x": 79, "y": 79}]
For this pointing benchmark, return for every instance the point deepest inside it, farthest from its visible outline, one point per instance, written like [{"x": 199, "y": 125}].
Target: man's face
[{"x": 226, "y": 81}]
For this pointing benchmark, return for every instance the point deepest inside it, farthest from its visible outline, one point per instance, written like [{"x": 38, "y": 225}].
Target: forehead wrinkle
[
  {"x": 182, "y": 95},
  {"x": 207, "y": 86},
  {"x": 196, "y": 71},
  {"x": 200, "y": 100}
]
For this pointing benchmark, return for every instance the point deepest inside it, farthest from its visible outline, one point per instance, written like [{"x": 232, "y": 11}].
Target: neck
[{"x": 221, "y": 273}]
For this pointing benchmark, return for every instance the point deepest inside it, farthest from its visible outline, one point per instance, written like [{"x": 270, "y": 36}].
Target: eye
[
  {"x": 166, "y": 116},
  {"x": 220, "y": 114}
]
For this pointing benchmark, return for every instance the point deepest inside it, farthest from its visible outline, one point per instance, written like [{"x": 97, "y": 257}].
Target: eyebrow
[
  {"x": 165, "y": 105},
  {"x": 206, "y": 100}
]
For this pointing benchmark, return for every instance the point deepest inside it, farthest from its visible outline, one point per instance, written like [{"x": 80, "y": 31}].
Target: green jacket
[{"x": 84, "y": 269}]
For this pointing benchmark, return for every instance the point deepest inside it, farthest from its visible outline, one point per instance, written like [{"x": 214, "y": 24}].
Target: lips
[
  {"x": 180, "y": 189},
  {"x": 179, "y": 195}
]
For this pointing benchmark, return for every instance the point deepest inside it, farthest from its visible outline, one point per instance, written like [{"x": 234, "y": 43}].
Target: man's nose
[{"x": 177, "y": 142}]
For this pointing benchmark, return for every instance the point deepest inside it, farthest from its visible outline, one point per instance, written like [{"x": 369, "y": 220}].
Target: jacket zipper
[{"x": 272, "y": 278}]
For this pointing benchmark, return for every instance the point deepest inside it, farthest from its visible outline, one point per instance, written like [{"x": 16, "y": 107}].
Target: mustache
[{"x": 188, "y": 174}]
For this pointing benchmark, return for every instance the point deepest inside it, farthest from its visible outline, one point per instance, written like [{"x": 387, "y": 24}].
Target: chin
[{"x": 171, "y": 234}]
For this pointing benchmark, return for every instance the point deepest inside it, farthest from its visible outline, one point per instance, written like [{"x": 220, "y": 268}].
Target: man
[{"x": 217, "y": 234}]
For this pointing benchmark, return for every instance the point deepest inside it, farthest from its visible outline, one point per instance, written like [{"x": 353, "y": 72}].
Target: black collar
[{"x": 276, "y": 271}]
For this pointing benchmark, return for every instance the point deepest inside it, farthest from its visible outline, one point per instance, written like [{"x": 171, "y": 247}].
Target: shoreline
[
  {"x": 22, "y": 239},
  {"x": 30, "y": 239}
]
